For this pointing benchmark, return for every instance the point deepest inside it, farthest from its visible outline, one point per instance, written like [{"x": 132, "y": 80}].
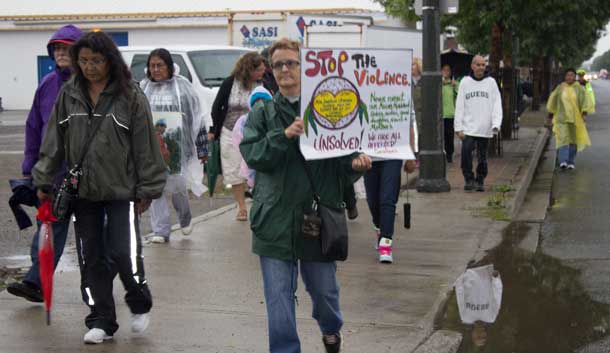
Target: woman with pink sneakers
[{"x": 382, "y": 183}]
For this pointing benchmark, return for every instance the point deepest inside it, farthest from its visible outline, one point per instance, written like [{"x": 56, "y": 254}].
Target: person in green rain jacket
[
  {"x": 449, "y": 94},
  {"x": 281, "y": 196},
  {"x": 589, "y": 89}
]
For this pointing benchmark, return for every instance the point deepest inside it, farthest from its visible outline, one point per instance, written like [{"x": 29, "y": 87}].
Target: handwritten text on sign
[{"x": 356, "y": 100}]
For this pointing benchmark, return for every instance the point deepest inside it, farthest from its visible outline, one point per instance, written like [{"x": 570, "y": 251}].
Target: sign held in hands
[{"x": 356, "y": 100}]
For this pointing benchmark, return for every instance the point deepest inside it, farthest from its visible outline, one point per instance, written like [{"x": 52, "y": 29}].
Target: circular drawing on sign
[{"x": 335, "y": 103}]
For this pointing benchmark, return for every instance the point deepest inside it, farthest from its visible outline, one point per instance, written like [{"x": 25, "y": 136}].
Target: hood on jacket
[
  {"x": 68, "y": 34},
  {"x": 485, "y": 75},
  {"x": 259, "y": 92}
]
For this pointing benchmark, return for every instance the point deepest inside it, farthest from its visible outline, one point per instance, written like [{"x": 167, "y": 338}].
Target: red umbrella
[{"x": 46, "y": 254}]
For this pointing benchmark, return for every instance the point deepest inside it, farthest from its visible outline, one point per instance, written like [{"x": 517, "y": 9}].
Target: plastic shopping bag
[{"x": 479, "y": 294}]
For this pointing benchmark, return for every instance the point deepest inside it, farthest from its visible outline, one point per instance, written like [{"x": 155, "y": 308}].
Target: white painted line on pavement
[{"x": 11, "y": 152}]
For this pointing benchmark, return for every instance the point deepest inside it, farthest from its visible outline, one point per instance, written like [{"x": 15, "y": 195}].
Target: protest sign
[{"x": 356, "y": 100}]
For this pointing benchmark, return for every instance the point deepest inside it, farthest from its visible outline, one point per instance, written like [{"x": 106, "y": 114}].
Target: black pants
[
  {"x": 468, "y": 146},
  {"x": 108, "y": 242},
  {"x": 449, "y": 136}
]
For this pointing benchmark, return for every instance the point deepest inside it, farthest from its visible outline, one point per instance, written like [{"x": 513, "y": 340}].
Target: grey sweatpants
[{"x": 159, "y": 213}]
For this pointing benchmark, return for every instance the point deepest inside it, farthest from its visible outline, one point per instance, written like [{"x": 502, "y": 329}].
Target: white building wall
[
  {"x": 172, "y": 36},
  {"x": 19, "y": 66}
]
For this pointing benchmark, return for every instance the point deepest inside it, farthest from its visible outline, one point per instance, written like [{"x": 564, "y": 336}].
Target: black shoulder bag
[
  {"x": 327, "y": 223},
  {"x": 67, "y": 194}
]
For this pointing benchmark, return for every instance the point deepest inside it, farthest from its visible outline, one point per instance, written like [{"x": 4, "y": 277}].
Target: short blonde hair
[
  {"x": 283, "y": 43},
  {"x": 420, "y": 65}
]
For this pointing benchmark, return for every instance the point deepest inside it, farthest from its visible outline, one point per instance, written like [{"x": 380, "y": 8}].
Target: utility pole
[{"x": 433, "y": 168}]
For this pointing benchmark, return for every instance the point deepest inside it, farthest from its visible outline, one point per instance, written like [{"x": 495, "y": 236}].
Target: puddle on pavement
[{"x": 544, "y": 306}]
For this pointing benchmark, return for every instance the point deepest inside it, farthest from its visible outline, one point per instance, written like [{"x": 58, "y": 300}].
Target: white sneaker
[
  {"x": 139, "y": 322},
  {"x": 157, "y": 239},
  {"x": 187, "y": 230},
  {"x": 385, "y": 251},
  {"x": 95, "y": 336},
  {"x": 563, "y": 165},
  {"x": 571, "y": 166}
]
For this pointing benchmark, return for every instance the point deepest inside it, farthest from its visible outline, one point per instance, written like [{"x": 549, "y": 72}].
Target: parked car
[{"x": 206, "y": 66}]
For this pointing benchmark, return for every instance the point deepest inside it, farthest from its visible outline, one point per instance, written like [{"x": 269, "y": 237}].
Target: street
[
  {"x": 577, "y": 227},
  {"x": 556, "y": 295}
]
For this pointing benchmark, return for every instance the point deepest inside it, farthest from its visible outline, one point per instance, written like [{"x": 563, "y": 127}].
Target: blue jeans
[
  {"x": 60, "y": 233},
  {"x": 382, "y": 184},
  {"x": 280, "y": 281},
  {"x": 567, "y": 154}
]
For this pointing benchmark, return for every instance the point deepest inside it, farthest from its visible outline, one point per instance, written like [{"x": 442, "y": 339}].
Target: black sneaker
[
  {"x": 25, "y": 290},
  {"x": 469, "y": 186},
  {"x": 449, "y": 158},
  {"x": 479, "y": 186},
  {"x": 333, "y": 343},
  {"x": 352, "y": 213}
]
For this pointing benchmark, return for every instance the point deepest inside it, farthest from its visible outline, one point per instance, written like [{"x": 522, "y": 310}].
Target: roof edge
[{"x": 175, "y": 14}]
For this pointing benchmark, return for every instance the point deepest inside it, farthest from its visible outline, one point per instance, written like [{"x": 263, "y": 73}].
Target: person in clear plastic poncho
[
  {"x": 179, "y": 120},
  {"x": 568, "y": 106}
]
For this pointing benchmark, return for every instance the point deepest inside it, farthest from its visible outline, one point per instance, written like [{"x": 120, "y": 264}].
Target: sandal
[{"x": 242, "y": 215}]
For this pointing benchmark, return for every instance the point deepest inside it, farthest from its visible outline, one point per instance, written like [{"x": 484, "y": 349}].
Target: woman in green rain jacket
[{"x": 282, "y": 195}]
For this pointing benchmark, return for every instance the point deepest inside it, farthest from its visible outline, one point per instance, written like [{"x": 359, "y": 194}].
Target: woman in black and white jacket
[{"x": 230, "y": 104}]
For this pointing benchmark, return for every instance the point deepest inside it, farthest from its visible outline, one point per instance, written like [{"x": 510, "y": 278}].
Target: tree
[
  {"x": 560, "y": 31},
  {"x": 402, "y": 9},
  {"x": 601, "y": 62}
]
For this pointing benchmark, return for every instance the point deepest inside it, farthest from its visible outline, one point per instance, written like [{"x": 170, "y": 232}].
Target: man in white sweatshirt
[{"x": 478, "y": 116}]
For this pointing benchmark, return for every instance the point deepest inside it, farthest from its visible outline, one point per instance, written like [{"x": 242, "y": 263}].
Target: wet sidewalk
[{"x": 208, "y": 291}]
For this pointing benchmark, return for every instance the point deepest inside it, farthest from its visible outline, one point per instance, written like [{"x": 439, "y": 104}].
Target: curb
[
  {"x": 540, "y": 144},
  {"x": 202, "y": 218},
  {"x": 441, "y": 341},
  {"x": 444, "y": 341}
]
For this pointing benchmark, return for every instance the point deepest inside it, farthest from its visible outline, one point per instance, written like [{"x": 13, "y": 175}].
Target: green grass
[{"x": 496, "y": 207}]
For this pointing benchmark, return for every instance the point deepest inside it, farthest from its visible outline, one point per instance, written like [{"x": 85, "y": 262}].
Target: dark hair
[
  {"x": 164, "y": 55},
  {"x": 101, "y": 43},
  {"x": 265, "y": 55},
  {"x": 246, "y": 65},
  {"x": 569, "y": 69}
]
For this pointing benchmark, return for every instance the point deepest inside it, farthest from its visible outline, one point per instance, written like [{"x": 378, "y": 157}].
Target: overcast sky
[
  {"x": 603, "y": 44},
  {"x": 46, "y": 7}
]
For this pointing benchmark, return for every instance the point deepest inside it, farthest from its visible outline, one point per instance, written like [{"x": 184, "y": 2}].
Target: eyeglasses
[
  {"x": 93, "y": 63},
  {"x": 291, "y": 64},
  {"x": 157, "y": 66}
]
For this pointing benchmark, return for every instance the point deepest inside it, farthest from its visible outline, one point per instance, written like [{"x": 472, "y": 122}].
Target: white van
[{"x": 206, "y": 66}]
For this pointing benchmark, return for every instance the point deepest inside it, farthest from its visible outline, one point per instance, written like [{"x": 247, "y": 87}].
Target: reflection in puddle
[{"x": 544, "y": 306}]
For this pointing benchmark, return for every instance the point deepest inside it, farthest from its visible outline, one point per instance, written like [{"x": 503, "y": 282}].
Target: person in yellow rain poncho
[
  {"x": 568, "y": 106},
  {"x": 588, "y": 88}
]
